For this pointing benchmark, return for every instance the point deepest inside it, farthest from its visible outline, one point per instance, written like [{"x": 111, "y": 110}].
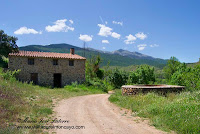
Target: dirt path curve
[{"x": 98, "y": 116}]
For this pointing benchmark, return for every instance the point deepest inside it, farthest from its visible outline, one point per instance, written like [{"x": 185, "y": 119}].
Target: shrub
[
  {"x": 100, "y": 73},
  {"x": 133, "y": 78},
  {"x": 118, "y": 78},
  {"x": 3, "y": 62},
  {"x": 188, "y": 77},
  {"x": 144, "y": 74},
  {"x": 74, "y": 84},
  {"x": 10, "y": 74},
  {"x": 97, "y": 83}
]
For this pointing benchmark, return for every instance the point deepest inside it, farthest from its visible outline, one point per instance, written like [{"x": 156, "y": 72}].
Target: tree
[
  {"x": 7, "y": 44},
  {"x": 187, "y": 76},
  {"x": 92, "y": 68},
  {"x": 144, "y": 74},
  {"x": 133, "y": 78},
  {"x": 118, "y": 78},
  {"x": 178, "y": 77},
  {"x": 171, "y": 68}
]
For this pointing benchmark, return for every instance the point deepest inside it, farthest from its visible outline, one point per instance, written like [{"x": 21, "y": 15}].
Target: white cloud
[
  {"x": 107, "y": 31},
  {"x": 154, "y": 45},
  {"x": 71, "y": 21},
  {"x": 141, "y": 46},
  {"x": 25, "y": 30},
  {"x": 104, "y": 48},
  {"x": 130, "y": 39},
  {"x": 106, "y": 22},
  {"x": 85, "y": 37},
  {"x": 59, "y": 26},
  {"x": 105, "y": 41},
  {"x": 104, "y": 30},
  {"x": 119, "y": 23},
  {"x": 141, "y": 35},
  {"x": 115, "y": 35}
]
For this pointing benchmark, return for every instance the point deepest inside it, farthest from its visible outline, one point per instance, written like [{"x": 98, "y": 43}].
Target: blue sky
[{"x": 160, "y": 28}]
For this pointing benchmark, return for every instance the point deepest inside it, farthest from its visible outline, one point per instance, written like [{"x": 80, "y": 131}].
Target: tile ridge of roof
[
  {"x": 34, "y": 53},
  {"x": 49, "y": 52},
  {"x": 27, "y": 51},
  {"x": 55, "y": 52},
  {"x": 41, "y": 52}
]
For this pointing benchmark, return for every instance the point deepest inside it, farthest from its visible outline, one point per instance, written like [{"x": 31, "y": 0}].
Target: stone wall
[
  {"x": 45, "y": 69},
  {"x": 162, "y": 89}
]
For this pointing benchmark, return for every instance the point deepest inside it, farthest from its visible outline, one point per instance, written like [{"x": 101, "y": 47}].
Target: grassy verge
[
  {"x": 177, "y": 112},
  {"x": 21, "y": 100}
]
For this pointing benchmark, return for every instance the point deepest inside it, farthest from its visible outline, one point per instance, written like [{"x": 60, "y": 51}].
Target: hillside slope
[{"x": 116, "y": 58}]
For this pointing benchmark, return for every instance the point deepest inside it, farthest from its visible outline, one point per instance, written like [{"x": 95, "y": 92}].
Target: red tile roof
[{"x": 47, "y": 55}]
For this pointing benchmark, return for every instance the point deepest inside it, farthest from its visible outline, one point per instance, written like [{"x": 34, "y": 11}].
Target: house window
[
  {"x": 55, "y": 61},
  {"x": 71, "y": 62},
  {"x": 30, "y": 61}
]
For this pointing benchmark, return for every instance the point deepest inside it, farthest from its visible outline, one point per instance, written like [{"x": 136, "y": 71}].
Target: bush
[
  {"x": 133, "y": 78},
  {"x": 3, "y": 62},
  {"x": 188, "y": 77},
  {"x": 74, "y": 84},
  {"x": 10, "y": 74},
  {"x": 144, "y": 74},
  {"x": 100, "y": 73},
  {"x": 118, "y": 78},
  {"x": 96, "y": 83}
]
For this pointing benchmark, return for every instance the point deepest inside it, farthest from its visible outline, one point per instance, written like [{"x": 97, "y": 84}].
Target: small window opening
[
  {"x": 30, "y": 61},
  {"x": 71, "y": 62},
  {"x": 55, "y": 61}
]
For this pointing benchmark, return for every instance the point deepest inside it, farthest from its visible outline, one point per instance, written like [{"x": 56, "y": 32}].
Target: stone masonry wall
[
  {"x": 45, "y": 69},
  {"x": 163, "y": 89}
]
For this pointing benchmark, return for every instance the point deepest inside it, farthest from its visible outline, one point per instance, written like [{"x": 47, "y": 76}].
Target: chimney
[{"x": 72, "y": 51}]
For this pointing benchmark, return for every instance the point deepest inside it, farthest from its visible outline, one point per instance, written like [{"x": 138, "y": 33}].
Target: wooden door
[
  {"x": 57, "y": 80},
  {"x": 34, "y": 78}
]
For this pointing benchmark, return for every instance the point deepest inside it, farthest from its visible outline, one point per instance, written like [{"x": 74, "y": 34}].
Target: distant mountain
[
  {"x": 116, "y": 58},
  {"x": 135, "y": 55}
]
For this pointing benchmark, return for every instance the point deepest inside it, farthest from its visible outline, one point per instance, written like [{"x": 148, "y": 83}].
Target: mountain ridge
[{"x": 118, "y": 57}]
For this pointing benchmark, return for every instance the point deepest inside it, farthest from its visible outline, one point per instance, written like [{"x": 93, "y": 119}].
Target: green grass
[
  {"x": 177, "y": 112},
  {"x": 22, "y": 100}
]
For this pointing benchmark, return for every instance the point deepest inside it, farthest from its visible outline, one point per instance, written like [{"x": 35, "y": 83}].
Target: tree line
[{"x": 174, "y": 73}]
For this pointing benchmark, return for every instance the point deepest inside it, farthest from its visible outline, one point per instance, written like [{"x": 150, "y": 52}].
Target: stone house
[{"x": 47, "y": 68}]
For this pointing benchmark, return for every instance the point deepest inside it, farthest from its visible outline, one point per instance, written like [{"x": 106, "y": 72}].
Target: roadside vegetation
[{"x": 175, "y": 111}]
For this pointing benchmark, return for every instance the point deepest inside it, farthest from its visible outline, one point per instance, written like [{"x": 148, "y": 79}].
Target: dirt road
[{"x": 98, "y": 116}]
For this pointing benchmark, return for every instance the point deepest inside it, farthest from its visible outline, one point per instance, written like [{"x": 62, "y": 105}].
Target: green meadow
[{"x": 177, "y": 112}]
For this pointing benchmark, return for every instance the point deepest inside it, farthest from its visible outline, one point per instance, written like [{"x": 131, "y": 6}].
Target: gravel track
[{"x": 98, "y": 116}]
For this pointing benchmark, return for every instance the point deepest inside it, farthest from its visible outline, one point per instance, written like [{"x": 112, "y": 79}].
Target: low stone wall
[{"x": 163, "y": 89}]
